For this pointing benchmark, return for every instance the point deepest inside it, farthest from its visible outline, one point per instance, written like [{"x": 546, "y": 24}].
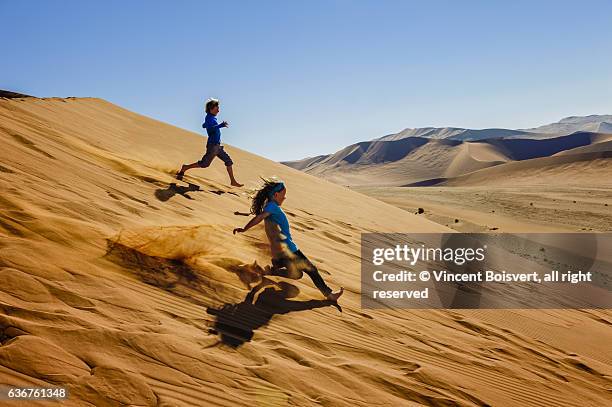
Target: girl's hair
[
  {"x": 265, "y": 193},
  {"x": 210, "y": 103}
]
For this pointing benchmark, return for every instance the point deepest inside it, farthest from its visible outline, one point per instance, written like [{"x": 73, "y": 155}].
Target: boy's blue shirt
[
  {"x": 278, "y": 216},
  {"x": 213, "y": 128}
]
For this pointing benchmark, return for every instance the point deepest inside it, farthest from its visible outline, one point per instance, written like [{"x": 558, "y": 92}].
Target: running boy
[
  {"x": 287, "y": 259},
  {"x": 213, "y": 146}
]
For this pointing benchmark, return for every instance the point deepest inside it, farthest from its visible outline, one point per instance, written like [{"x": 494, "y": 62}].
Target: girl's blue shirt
[{"x": 278, "y": 216}]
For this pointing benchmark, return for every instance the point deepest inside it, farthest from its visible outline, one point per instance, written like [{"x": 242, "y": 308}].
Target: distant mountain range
[
  {"x": 428, "y": 156},
  {"x": 568, "y": 125},
  {"x": 593, "y": 123}
]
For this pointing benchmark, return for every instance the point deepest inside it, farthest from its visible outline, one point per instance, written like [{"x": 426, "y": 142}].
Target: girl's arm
[{"x": 252, "y": 222}]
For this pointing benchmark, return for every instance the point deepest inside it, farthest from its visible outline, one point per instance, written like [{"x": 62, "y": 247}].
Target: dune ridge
[
  {"x": 584, "y": 166},
  {"x": 412, "y": 160},
  {"x": 128, "y": 288}
]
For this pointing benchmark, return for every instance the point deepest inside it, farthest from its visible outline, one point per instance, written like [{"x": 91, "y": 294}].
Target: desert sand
[
  {"x": 567, "y": 192},
  {"x": 529, "y": 208},
  {"x": 128, "y": 287}
]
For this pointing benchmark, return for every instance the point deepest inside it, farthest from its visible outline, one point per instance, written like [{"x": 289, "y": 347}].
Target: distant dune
[
  {"x": 583, "y": 168},
  {"x": 414, "y": 160},
  {"x": 601, "y": 146}
]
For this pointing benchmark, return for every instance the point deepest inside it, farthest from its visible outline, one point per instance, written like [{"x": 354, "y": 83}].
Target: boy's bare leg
[
  {"x": 233, "y": 181},
  {"x": 186, "y": 167}
]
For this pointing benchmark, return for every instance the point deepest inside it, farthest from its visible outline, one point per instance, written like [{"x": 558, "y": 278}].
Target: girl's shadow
[{"x": 236, "y": 323}]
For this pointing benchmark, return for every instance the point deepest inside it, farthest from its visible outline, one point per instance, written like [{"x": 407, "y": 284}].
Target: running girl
[{"x": 287, "y": 259}]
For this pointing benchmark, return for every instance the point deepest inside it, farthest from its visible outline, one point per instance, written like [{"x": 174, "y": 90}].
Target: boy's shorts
[{"x": 212, "y": 151}]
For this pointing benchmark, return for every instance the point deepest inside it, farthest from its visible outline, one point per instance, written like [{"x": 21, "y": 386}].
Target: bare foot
[
  {"x": 334, "y": 296},
  {"x": 237, "y": 184}
]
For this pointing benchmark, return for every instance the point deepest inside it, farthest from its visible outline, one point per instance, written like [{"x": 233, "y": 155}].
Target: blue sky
[{"x": 302, "y": 78}]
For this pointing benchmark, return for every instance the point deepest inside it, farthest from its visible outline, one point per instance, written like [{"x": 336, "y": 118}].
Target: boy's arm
[
  {"x": 252, "y": 222},
  {"x": 212, "y": 124}
]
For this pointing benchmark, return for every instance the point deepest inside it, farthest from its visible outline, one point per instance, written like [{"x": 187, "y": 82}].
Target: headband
[{"x": 277, "y": 188}]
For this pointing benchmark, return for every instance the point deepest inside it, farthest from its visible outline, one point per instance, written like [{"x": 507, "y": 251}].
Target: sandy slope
[
  {"x": 129, "y": 289},
  {"x": 604, "y": 145}
]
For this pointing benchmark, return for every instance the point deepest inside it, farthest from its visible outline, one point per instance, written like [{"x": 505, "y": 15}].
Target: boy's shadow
[
  {"x": 236, "y": 323},
  {"x": 173, "y": 189}
]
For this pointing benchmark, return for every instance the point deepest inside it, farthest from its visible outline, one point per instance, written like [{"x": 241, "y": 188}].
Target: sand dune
[
  {"x": 418, "y": 160},
  {"x": 586, "y": 168},
  {"x": 128, "y": 288},
  {"x": 604, "y": 145}
]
